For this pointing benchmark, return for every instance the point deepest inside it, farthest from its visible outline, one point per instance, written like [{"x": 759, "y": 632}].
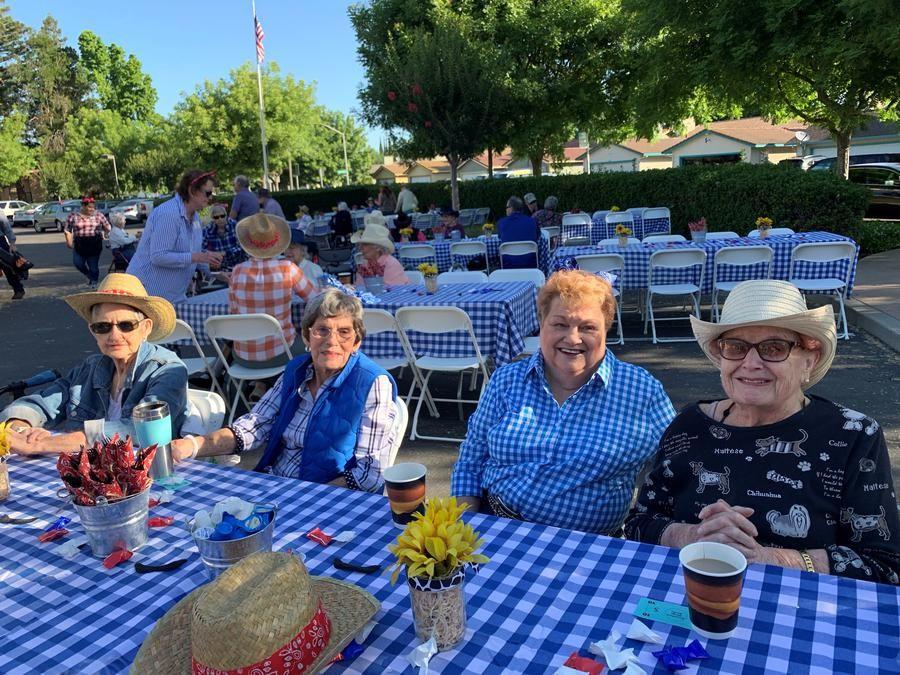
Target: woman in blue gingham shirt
[{"x": 559, "y": 438}]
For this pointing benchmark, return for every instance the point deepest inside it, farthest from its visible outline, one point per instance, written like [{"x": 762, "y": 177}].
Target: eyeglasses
[
  {"x": 773, "y": 351},
  {"x": 343, "y": 334},
  {"x": 208, "y": 193},
  {"x": 221, "y": 217},
  {"x": 104, "y": 327}
]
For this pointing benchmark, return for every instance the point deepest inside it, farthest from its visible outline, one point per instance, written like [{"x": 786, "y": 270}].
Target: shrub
[{"x": 875, "y": 236}]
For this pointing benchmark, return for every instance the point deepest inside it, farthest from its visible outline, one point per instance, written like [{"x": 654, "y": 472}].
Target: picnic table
[
  {"x": 444, "y": 263},
  {"x": 637, "y": 259},
  {"x": 545, "y": 593}
]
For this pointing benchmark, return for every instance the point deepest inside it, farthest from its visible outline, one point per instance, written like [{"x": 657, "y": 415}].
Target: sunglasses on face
[
  {"x": 208, "y": 193},
  {"x": 773, "y": 351},
  {"x": 104, "y": 327},
  {"x": 222, "y": 217}
]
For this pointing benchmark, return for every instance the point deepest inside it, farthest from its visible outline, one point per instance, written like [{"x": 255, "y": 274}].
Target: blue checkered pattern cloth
[
  {"x": 196, "y": 310},
  {"x": 637, "y": 260},
  {"x": 444, "y": 263},
  {"x": 502, "y": 317},
  {"x": 545, "y": 593},
  {"x": 599, "y": 229}
]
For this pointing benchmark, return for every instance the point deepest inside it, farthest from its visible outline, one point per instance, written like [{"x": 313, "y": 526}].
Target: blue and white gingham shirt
[
  {"x": 163, "y": 258},
  {"x": 572, "y": 465}
]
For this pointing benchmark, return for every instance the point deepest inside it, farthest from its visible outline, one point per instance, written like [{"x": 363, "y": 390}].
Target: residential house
[{"x": 876, "y": 137}]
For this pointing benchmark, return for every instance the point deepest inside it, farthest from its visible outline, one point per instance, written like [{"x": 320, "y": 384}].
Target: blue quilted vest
[{"x": 333, "y": 426}]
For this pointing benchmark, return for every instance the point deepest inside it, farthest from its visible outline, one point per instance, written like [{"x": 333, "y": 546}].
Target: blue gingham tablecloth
[
  {"x": 545, "y": 593},
  {"x": 194, "y": 311},
  {"x": 637, "y": 260},
  {"x": 599, "y": 230},
  {"x": 444, "y": 263},
  {"x": 502, "y": 317}
]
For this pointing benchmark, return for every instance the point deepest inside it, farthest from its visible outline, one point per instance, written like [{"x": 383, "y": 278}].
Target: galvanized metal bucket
[
  {"x": 218, "y": 556},
  {"x": 122, "y": 524}
]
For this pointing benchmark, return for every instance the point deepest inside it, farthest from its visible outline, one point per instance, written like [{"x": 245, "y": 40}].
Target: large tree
[
  {"x": 13, "y": 36},
  {"x": 328, "y": 151},
  {"x": 834, "y": 64},
  {"x": 118, "y": 81},
  {"x": 16, "y": 158}
]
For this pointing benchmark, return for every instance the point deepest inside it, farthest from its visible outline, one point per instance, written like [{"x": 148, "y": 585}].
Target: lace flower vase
[{"x": 439, "y": 608}]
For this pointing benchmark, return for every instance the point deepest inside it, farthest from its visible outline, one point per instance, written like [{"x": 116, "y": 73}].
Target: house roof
[
  {"x": 874, "y": 127},
  {"x": 750, "y": 131},
  {"x": 396, "y": 169}
]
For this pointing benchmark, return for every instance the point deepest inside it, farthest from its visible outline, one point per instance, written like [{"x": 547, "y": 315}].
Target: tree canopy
[{"x": 119, "y": 82}]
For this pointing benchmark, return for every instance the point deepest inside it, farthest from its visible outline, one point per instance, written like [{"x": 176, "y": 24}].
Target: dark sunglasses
[
  {"x": 222, "y": 217},
  {"x": 208, "y": 193},
  {"x": 773, "y": 351},
  {"x": 104, "y": 327}
]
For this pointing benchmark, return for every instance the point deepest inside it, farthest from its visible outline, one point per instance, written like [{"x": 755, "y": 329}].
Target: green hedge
[{"x": 875, "y": 236}]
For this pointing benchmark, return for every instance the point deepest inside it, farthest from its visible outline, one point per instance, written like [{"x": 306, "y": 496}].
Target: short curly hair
[
  {"x": 331, "y": 303},
  {"x": 576, "y": 288}
]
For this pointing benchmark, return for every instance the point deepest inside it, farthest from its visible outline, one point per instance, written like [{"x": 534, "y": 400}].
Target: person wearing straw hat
[
  {"x": 264, "y": 614},
  {"x": 377, "y": 247},
  {"x": 785, "y": 477},
  {"x": 95, "y": 398}
]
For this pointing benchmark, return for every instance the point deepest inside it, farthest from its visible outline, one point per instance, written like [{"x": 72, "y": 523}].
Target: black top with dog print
[{"x": 818, "y": 479}]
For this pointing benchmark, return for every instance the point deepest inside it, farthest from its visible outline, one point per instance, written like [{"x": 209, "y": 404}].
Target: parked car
[
  {"x": 10, "y": 207},
  {"x": 25, "y": 217},
  {"x": 136, "y": 210},
  {"x": 53, "y": 215},
  {"x": 882, "y": 179},
  {"x": 104, "y": 206},
  {"x": 804, "y": 162},
  {"x": 829, "y": 163}
]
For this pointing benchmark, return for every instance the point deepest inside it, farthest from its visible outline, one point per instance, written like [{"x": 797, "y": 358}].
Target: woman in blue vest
[{"x": 330, "y": 418}]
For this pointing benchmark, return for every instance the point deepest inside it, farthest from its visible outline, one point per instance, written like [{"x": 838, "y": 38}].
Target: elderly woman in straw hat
[
  {"x": 376, "y": 247},
  {"x": 785, "y": 477},
  {"x": 97, "y": 396},
  {"x": 264, "y": 614},
  {"x": 330, "y": 418}
]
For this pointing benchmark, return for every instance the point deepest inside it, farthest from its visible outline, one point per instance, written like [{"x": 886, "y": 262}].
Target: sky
[{"x": 180, "y": 44}]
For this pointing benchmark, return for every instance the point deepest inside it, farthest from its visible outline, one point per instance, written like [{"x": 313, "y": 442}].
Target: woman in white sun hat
[
  {"x": 785, "y": 477},
  {"x": 376, "y": 247}
]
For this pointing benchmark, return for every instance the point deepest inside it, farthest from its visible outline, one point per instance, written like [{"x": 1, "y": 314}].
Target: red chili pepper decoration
[
  {"x": 412, "y": 107},
  {"x": 319, "y": 537},
  {"x": 52, "y": 535},
  {"x": 153, "y": 502},
  {"x": 116, "y": 557},
  {"x": 416, "y": 90},
  {"x": 160, "y": 521},
  {"x": 392, "y": 95}
]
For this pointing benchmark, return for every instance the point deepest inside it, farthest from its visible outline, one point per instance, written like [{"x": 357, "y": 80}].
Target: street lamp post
[
  {"x": 344, "y": 140},
  {"x": 111, "y": 156}
]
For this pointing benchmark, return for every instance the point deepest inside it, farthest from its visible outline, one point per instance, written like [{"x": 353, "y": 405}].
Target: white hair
[
  {"x": 117, "y": 218},
  {"x": 342, "y": 206}
]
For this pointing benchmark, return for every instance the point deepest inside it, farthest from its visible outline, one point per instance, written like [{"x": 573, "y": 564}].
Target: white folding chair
[
  {"x": 551, "y": 232},
  {"x": 415, "y": 277},
  {"x": 575, "y": 225},
  {"x": 577, "y": 241},
  {"x": 533, "y": 275},
  {"x": 576, "y": 219},
  {"x": 465, "y": 217},
  {"x": 519, "y": 248},
  {"x": 662, "y": 238},
  {"x": 637, "y": 211},
  {"x": 614, "y": 241},
  {"x": 206, "y": 414},
  {"x": 481, "y": 215},
  {"x": 241, "y": 328},
  {"x": 469, "y": 249},
  {"x": 620, "y": 218},
  {"x": 473, "y": 277},
  {"x": 680, "y": 259},
  {"x": 825, "y": 252},
  {"x": 600, "y": 214},
  {"x": 436, "y": 320},
  {"x": 416, "y": 253},
  {"x": 199, "y": 363},
  {"x": 607, "y": 262},
  {"x": 657, "y": 219},
  {"x": 379, "y": 321},
  {"x": 725, "y": 234},
  {"x": 401, "y": 423},
  {"x": 736, "y": 256},
  {"x": 773, "y": 232}
]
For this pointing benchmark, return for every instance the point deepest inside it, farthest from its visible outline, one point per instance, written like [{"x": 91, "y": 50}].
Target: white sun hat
[{"x": 771, "y": 303}]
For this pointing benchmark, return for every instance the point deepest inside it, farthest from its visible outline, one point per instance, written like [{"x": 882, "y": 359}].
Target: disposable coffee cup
[
  {"x": 345, "y": 278},
  {"x": 153, "y": 426},
  {"x": 713, "y": 580},
  {"x": 405, "y": 485}
]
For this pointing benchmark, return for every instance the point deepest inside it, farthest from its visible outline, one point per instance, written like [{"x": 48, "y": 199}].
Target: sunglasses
[
  {"x": 208, "y": 193},
  {"x": 104, "y": 327},
  {"x": 222, "y": 217},
  {"x": 773, "y": 351}
]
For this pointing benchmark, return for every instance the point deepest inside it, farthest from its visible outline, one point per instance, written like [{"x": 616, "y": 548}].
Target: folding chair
[
  {"x": 614, "y": 218},
  {"x": 210, "y": 409},
  {"x": 415, "y": 278},
  {"x": 533, "y": 275},
  {"x": 194, "y": 365},
  {"x": 465, "y": 217},
  {"x": 552, "y": 233},
  {"x": 467, "y": 250},
  {"x": 673, "y": 260},
  {"x": 725, "y": 234},
  {"x": 472, "y": 277},
  {"x": 244, "y": 327},
  {"x": 436, "y": 320},
  {"x": 656, "y": 220},
  {"x": 379, "y": 321},
  {"x": 773, "y": 232},
  {"x": 413, "y": 254},
  {"x": 736, "y": 256},
  {"x": 825, "y": 252},
  {"x": 575, "y": 225},
  {"x": 577, "y": 241},
  {"x": 401, "y": 423},
  {"x": 519, "y": 248},
  {"x": 607, "y": 262},
  {"x": 662, "y": 238},
  {"x": 481, "y": 215}
]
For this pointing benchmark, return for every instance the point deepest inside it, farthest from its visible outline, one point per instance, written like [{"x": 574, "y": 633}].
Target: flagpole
[{"x": 262, "y": 110}]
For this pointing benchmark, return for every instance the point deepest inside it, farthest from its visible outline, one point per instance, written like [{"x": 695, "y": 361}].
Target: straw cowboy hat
[
  {"x": 263, "y": 235},
  {"x": 375, "y": 234},
  {"x": 771, "y": 303},
  {"x": 266, "y": 608},
  {"x": 127, "y": 289},
  {"x": 375, "y": 218}
]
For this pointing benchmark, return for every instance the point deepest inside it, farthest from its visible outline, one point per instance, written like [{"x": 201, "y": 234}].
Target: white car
[
  {"x": 10, "y": 207},
  {"x": 25, "y": 217},
  {"x": 135, "y": 210}
]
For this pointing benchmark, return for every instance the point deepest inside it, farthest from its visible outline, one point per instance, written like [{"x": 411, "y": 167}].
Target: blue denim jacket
[{"x": 83, "y": 394}]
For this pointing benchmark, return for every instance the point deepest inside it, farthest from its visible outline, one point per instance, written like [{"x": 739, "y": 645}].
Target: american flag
[{"x": 260, "y": 50}]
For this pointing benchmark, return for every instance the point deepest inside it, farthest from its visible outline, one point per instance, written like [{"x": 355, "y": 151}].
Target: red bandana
[{"x": 294, "y": 657}]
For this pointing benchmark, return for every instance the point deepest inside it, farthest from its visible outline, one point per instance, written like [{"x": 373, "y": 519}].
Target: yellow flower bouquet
[
  {"x": 763, "y": 223},
  {"x": 4, "y": 454},
  {"x": 614, "y": 209},
  {"x": 406, "y": 232},
  {"x": 428, "y": 269},
  {"x": 623, "y": 230}
]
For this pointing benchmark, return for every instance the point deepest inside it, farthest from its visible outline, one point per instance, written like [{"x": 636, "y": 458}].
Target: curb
[{"x": 875, "y": 322}]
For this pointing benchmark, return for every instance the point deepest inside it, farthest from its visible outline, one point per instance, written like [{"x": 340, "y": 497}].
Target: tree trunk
[
  {"x": 536, "y": 161},
  {"x": 454, "y": 181},
  {"x": 490, "y": 163},
  {"x": 842, "y": 139}
]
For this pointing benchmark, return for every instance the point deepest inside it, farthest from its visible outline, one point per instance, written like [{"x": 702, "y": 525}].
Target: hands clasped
[{"x": 726, "y": 524}]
